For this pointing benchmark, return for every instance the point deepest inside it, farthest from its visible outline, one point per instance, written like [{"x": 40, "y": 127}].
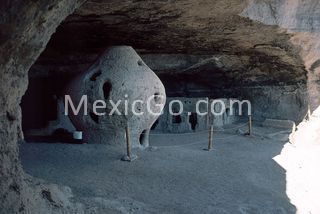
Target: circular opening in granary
[
  {"x": 107, "y": 87},
  {"x": 140, "y": 63},
  {"x": 157, "y": 98}
]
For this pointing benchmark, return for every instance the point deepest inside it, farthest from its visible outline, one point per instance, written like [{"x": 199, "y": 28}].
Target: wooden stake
[
  {"x": 128, "y": 142},
  {"x": 129, "y": 157},
  {"x": 208, "y": 114},
  {"x": 210, "y": 138},
  {"x": 250, "y": 125}
]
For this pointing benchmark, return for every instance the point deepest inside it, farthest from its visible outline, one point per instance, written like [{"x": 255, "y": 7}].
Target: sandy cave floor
[{"x": 238, "y": 176}]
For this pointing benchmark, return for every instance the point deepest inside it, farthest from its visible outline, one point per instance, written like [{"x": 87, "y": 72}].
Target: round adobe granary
[{"x": 119, "y": 75}]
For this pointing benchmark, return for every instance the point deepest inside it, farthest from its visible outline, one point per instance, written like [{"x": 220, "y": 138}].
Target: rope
[
  {"x": 189, "y": 144},
  {"x": 195, "y": 143},
  {"x": 243, "y": 125},
  {"x": 194, "y": 133},
  {"x": 112, "y": 130}
]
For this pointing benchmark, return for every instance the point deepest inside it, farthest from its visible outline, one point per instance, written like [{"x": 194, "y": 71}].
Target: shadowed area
[{"x": 238, "y": 176}]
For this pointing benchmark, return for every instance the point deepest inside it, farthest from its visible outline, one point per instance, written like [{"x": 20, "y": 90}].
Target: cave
[{"x": 232, "y": 124}]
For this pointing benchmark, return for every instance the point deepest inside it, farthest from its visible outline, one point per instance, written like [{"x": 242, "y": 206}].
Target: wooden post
[
  {"x": 250, "y": 125},
  {"x": 208, "y": 114},
  {"x": 210, "y": 138},
  {"x": 128, "y": 142},
  {"x": 129, "y": 157}
]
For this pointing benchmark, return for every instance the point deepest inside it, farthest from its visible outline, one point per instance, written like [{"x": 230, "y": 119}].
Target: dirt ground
[{"x": 243, "y": 174}]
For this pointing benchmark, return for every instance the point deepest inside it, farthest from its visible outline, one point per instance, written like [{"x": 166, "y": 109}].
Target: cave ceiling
[{"x": 203, "y": 27}]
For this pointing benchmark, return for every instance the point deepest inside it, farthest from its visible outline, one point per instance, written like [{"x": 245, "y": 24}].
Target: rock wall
[
  {"x": 257, "y": 75},
  {"x": 302, "y": 19},
  {"x": 189, "y": 121},
  {"x": 198, "y": 48},
  {"x": 26, "y": 27},
  {"x": 276, "y": 90}
]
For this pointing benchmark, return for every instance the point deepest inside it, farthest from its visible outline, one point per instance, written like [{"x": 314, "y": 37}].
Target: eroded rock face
[
  {"x": 26, "y": 28},
  {"x": 302, "y": 19},
  {"x": 276, "y": 89},
  {"x": 119, "y": 77},
  {"x": 218, "y": 47}
]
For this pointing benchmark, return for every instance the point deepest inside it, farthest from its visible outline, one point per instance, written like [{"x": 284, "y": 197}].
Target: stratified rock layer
[
  {"x": 302, "y": 19},
  {"x": 198, "y": 48}
]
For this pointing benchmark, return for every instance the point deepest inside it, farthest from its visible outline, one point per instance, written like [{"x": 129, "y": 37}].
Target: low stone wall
[{"x": 189, "y": 120}]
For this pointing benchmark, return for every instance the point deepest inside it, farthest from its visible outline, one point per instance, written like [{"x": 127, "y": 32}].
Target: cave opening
[
  {"x": 193, "y": 63},
  {"x": 42, "y": 109},
  {"x": 193, "y": 120},
  {"x": 176, "y": 119}
]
